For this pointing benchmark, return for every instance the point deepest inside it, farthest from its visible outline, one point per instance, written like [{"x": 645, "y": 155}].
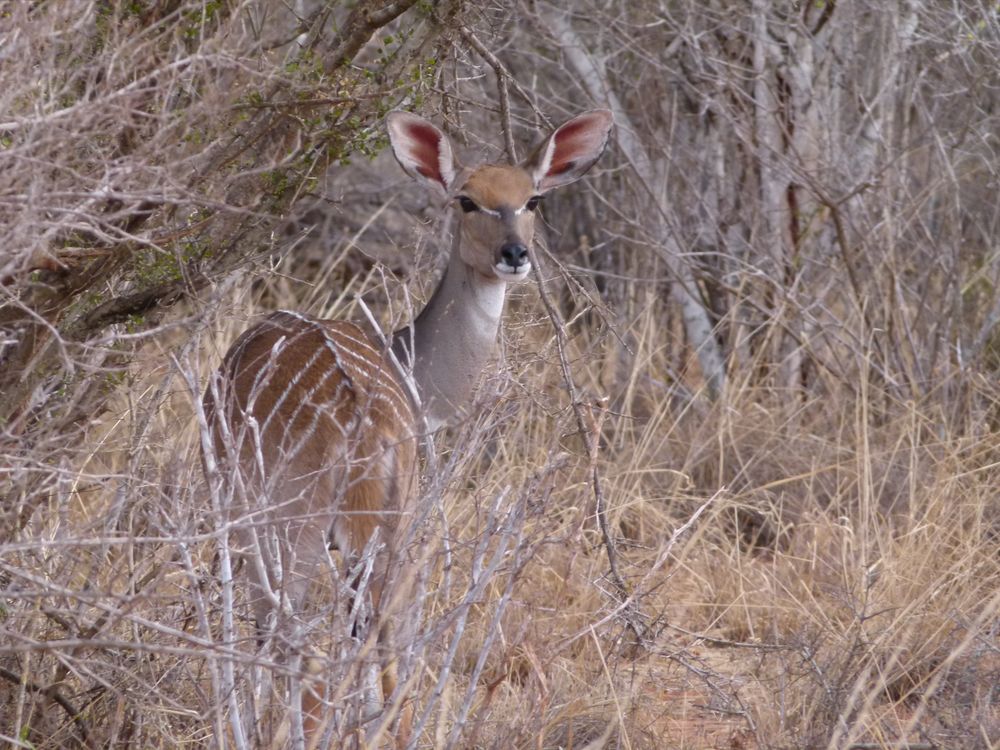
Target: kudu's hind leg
[
  {"x": 283, "y": 561},
  {"x": 395, "y": 626}
]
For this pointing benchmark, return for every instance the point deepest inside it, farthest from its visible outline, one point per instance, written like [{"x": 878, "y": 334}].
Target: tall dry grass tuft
[{"x": 841, "y": 586}]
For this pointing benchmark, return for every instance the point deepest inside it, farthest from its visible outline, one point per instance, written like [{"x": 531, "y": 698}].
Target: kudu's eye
[
  {"x": 468, "y": 205},
  {"x": 532, "y": 203}
]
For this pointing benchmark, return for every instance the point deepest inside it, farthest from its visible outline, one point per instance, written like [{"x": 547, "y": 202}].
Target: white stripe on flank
[{"x": 382, "y": 408}]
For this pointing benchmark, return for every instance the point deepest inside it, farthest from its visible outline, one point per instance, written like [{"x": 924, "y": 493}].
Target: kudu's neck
[{"x": 453, "y": 338}]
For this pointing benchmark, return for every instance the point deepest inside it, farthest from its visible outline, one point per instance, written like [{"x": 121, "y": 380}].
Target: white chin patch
[{"x": 509, "y": 273}]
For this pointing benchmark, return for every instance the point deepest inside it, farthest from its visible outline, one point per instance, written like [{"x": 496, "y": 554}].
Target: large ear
[
  {"x": 570, "y": 151},
  {"x": 423, "y": 150}
]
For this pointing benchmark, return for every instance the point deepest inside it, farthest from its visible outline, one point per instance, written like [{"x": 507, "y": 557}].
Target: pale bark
[{"x": 697, "y": 324}]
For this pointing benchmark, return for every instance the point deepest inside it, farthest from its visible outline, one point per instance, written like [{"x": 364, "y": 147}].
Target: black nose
[{"x": 514, "y": 254}]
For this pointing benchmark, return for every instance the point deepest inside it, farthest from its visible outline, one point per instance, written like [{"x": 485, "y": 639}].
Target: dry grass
[{"x": 841, "y": 587}]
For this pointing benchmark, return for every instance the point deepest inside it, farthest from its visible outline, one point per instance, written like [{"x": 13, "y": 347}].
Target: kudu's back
[{"x": 311, "y": 422}]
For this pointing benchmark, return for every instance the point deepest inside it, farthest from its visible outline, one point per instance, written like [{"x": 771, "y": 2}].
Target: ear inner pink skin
[
  {"x": 571, "y": 150},
  {"x": 426, "y": 155},
  {"x": 561, "y": 167},
  {"x": 571, "y": 140}
]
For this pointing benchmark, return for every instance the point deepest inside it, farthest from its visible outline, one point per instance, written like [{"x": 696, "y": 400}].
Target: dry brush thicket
[{"x": 734, "y": 482}]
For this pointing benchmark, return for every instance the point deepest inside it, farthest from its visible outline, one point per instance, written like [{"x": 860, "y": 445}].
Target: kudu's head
[{"x": 497, "y": 202}]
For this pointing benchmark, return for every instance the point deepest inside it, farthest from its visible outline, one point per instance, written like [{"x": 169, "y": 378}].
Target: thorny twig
[
  {"x": 502, "y": 78},
  {"x": 630, "y": 602},
  {"x": 590, "y": 431},
  {"x": 52, "y": 693},
  {"x": 505, "y": 79}
]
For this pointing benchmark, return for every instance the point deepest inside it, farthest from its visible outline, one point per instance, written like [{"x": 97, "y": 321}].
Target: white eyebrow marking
[
  {"x": 488, "y": 211},
  {"x": 524, "y": 208}
]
